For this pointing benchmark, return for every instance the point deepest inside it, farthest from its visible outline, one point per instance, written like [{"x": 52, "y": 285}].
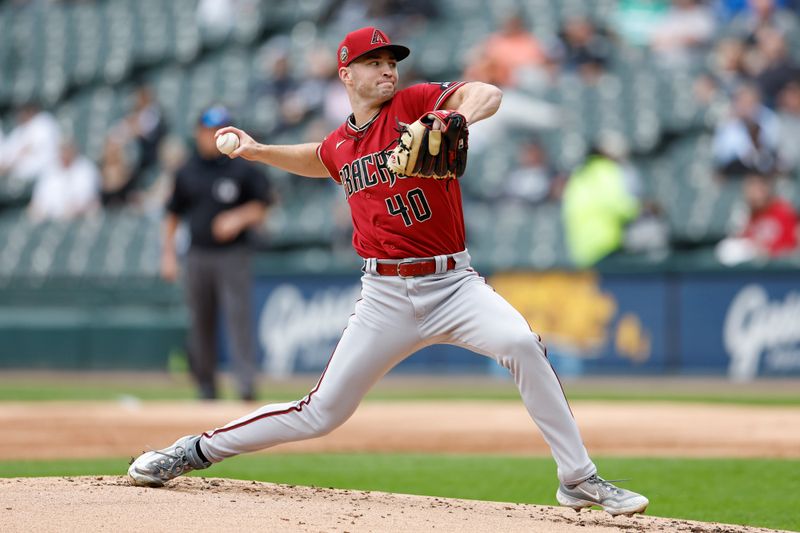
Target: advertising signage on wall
[
  {"x": 740, "y": 325},
  {"x": 761, "y": 334},
  {"x": 301, "y": 319},
  {"x": 592, "y": 324}
]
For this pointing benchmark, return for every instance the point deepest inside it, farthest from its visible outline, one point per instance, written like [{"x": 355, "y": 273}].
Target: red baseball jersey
[{"x": 394, "y": 217}]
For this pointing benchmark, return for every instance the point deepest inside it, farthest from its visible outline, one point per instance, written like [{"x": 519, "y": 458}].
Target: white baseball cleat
[
  {"x": 598, "y": 491},
  {"x": 153, "y": 469}
]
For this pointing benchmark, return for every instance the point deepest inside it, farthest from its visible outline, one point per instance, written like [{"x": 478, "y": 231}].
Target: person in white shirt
[
  {"x": 685, "y": 31},
  {"x": 31, "y": 147},
  {"x": 67, "y": 190},
  {"x": 748, "y": 139}
]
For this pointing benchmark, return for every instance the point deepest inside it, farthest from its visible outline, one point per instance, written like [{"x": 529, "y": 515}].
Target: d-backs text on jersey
[{"x": 365, "y": 172}]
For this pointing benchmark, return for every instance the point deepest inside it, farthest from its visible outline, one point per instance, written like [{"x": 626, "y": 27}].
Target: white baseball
[{"x": 227, "y": 142}]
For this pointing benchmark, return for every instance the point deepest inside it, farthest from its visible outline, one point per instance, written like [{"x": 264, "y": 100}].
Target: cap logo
[
  {"x": 379, "y": 38},
  {"x": 343, "y": 55}
]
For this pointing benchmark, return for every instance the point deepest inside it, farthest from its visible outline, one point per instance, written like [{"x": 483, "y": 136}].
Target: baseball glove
[{"x": 431, "y": 153}]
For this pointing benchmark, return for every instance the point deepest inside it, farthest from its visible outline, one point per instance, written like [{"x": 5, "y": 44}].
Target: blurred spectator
[
  {"x": 686, "y": 29},
  {"x": 770, "y": 229},
  {"x": 520, "y": 112},
  {"x": 499, "y": 58},
  {"x": 144, "y": 126},
  {"x": 729, "y": 61},
  {"x": 401, "y": 17},
  {"x": 728, "y": 71},
  {"x": 115, "y": 168},
  {"x": 215, "y": 18},
  {"x": 544, "y": 79},
  {"x": 615, "y": 146},
  {"x": 277, "y": 83},
  {"x": 585, "y": 49},
  {"x": 32, "y": 146},
  {"x": 320, "y": 71},
  {"x": 503, "y": 59},
  {"x": 321, "y": 89},
  {"x": 397, "y": 17},
  {"x": 172, "y": 155},
  {"x": 342, "y": 14},
  {"x": 727, "y": 9},
  {"x": 714, "y": 89},
  {"x": 649, "y": 233},
  {"x": 148, "y": 127},
  {"x": 748, "y": 139},
  {"x": 221, "y": 200},
  {"x": 534, "y": 180},
  {"x": 597, "y": 207},
  {"x": 789, "y": 118},
  {"x": 762, "y": 14},
  {"x": 635, "y": 21},
  {"x": 772, "y": 67},
  {"x": 68, "y": 189}
]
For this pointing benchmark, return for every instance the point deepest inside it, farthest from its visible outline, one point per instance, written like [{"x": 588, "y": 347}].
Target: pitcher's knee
[
  {"x": 523, "y": 343},
  {"x": 324, "y": 419},
  {"x": 325, "y": 426},
  {"x": 523, "y": 352}
]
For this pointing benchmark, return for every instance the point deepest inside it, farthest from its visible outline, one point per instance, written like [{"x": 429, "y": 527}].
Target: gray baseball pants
[{"x": 394, "y": 318}]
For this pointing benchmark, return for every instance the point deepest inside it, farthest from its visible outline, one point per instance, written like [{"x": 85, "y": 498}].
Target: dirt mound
[{"x": 191, "y": 504}]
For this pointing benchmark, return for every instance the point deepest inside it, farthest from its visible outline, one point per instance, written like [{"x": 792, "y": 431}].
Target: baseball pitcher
[{"x": 398, "y": 158}]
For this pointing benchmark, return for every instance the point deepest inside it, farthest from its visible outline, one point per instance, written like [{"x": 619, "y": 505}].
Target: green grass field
[
  {"x": 745, "y": 492},
  {"x": 85, "y": 387}
]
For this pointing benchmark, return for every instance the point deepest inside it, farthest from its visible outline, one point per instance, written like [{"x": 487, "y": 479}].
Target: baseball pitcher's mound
[{"x": 192, "y": 504}]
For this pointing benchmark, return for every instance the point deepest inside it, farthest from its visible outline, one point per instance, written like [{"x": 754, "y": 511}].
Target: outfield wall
[
  {"x": 741, "y": 324},
  {"x": 108, "y": 324}
]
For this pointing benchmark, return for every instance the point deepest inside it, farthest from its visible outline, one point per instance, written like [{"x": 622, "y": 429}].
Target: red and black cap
[{"x": 357, "y": 43}]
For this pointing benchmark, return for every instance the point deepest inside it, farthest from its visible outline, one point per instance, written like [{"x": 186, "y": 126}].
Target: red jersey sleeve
[
  {"x": 323, "y": 153},
  {"x": 424, "y": 97}
]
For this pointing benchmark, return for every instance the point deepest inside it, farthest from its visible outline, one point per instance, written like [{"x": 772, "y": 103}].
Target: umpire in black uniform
[{"x": 221, "y": 199}]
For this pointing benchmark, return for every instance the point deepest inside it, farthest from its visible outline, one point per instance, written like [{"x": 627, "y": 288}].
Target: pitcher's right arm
[{"x": 298, "y": 159}]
